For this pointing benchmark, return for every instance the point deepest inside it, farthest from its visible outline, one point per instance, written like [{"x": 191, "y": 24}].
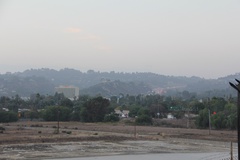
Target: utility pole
[
  {"x": 188, "y": 116},
  {"x": 58, "y": 121},
  {"x": 209, "y": 121},
  {"x": 237, "y": 87},
  {"x": 135, "y": 131},
  {"x": 209, "y": 117}
]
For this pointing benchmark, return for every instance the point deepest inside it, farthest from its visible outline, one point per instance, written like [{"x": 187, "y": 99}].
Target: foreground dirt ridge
[{"x": 38, "y": 140}]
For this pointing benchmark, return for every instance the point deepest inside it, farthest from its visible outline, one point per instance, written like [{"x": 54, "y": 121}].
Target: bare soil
[{"x": 38, "y": 140}]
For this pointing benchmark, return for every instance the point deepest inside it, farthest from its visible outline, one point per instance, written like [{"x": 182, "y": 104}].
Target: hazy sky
[{"x": 169, "y": 37}]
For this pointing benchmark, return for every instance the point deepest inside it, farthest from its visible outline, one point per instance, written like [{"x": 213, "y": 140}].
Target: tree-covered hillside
[{"x": 106, "y": 83}]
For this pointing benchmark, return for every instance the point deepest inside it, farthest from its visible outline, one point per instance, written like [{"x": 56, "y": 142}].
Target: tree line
[{"x": 143, "y": 108}]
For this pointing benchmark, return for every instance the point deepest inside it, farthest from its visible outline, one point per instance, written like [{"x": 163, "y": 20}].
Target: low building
[
  {"x": 122, "y": 113},
  {"x": 170, "y": 116}
]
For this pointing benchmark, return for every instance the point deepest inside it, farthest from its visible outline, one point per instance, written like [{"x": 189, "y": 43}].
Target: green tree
[
  {"x": 53, "y": 113},
  {"x": 219, "y": 120},
  {"x": 4, "y": 101},
  {"x": 95, "y": 109},
  {"x": 75, "y": 115},
  {"x": 195, "y": 106},
  {"x": 30, "y": 114},
  {"x": 111, "y": 118},
  {"x": 231, "y": 114},
  {"x": 8, "y": 116},
  {"x": 66, "y": 102},
  {"x": 232, "y": 121},
  {"x": 133, "y": 110},
  {"x": 157, "y": 108},
  {"x": 144, "y": 117},
  {"x": 217, "y": 104},
  {"x": 226, "y": 118},
  {"x": 202, "y": 120}
]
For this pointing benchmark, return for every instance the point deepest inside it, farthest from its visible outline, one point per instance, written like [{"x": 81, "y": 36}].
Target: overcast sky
[{"x": 169, "y": 37}]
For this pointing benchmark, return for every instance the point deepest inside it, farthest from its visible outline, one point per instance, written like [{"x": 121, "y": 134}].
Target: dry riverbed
[{"x": 37, "y": 140}]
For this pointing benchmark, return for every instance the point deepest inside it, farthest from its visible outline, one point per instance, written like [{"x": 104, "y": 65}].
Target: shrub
[
  {"x": 111, "y": 118},
  {"x": 56, "y": 131},
  {"x": 202, "y": 119},
  {"x": 36, "y": 125},
  {"x": 55, "y": 113},
  {"x": 95, "y": 109},
  {"x": 144, "y": 119},
  {"x": 2, "y": 129},
  {"x": 8, "y": 117}
]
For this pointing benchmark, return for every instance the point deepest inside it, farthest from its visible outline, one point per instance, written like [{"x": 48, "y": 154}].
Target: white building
[
  {"x": 70, "y": 92},
  {"x": 122, "y": 114},
  {"x": 170, "y": 116}
]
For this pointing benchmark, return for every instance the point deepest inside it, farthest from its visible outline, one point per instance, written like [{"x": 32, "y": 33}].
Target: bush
[
  {"x": 232, "y": 121},
  {"x": 31, "y": 115},
  {"x": 8, "y": 117},
  {"x": 2, "y": 129},
  {"x": 53, "y": 113},
  {"x": 75, "y": 116},
  {"x": 202, "y": 120},
  {"x": 36, "y": 125},
  {"x": 95, "y": 109},
  {"x": 56, "y": 131},
  {"x": 144, "y": 119},
  {"x": 219, "y": 121},
  {"x": 226, "y": 118},
  {"x": 111, "y": 118}
]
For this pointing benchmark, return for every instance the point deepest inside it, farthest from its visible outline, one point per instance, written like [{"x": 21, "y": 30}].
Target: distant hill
[
  {"x": 117, "y": 87},
  {"x": 10, "y": 85},
  {"x": 91, "y": 82}
]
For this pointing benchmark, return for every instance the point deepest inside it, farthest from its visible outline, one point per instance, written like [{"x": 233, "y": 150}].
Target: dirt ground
[{"x": 38, "y": 140}]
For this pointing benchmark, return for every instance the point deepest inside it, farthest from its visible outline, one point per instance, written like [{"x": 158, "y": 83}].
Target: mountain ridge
[{"x": 44, "y": 80}]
